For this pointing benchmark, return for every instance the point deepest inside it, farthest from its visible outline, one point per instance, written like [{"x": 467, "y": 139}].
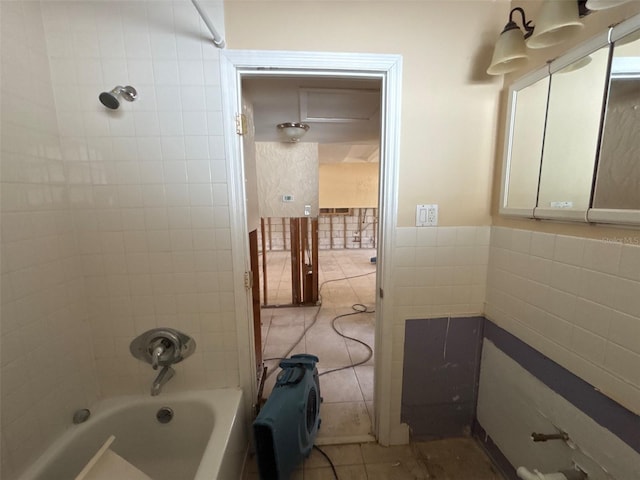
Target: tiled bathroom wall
[
  {"x": 576, "y": 300},
  {"x": 147, "y": 182},
  {"x": 114, "y": 222},
  {"x": 47, "y": 364},
  {"x": 437, "y": 272}
]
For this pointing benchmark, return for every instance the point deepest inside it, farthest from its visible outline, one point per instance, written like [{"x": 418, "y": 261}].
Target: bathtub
[{"x": 205, "y": 440}]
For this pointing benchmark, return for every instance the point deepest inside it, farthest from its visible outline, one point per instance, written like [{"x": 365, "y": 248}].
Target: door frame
[{"x": 234, "y": 64}]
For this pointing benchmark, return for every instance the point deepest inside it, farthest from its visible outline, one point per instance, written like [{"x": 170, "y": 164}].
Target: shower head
[{"x": 110, "y": 99}]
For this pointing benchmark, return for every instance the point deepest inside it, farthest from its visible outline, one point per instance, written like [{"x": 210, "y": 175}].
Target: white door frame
[{"x": 388, "y": 68}]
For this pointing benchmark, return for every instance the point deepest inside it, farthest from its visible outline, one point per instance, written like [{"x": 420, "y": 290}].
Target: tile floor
[
  {"x": 449, "y": 459},
  {"x": 348, "y": 394}
]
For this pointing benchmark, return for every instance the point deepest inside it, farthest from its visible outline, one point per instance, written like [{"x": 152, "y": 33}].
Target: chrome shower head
[{"x": 110, "y": 99}]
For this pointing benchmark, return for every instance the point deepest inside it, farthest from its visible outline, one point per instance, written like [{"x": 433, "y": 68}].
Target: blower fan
[{"x": 287, "y": 425}]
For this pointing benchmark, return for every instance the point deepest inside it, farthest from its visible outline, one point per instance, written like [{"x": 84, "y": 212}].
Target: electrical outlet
[
  {"x": 426, "y": 215},
  {"x": 307, "y": 210},
  {"x": 287, "y": 198}
]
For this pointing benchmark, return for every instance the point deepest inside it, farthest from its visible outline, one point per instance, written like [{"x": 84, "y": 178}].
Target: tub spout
[{"x": 163, "y": 377}]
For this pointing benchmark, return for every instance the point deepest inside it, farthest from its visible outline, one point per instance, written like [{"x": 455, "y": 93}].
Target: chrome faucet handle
[
  {"x": 155, "y": 356},
  {"x": 161, "y": 347}
]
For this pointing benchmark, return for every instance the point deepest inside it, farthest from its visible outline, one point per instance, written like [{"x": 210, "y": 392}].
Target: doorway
[
  {"x": 317, "y": 272},
  {"x": 386, "y": 68}
]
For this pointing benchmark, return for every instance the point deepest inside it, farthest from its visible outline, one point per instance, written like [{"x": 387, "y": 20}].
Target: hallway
[{"x": 347, "y": 409}]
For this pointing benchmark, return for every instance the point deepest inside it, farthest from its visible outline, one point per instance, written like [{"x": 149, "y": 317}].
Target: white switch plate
[{"x": 426, "y": 215}]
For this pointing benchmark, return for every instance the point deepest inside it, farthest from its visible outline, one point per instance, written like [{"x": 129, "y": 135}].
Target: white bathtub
[{"x": 205, "y": 440}]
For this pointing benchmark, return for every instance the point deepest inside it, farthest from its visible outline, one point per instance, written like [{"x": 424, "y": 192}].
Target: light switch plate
[{"x": 426, "y": 215}]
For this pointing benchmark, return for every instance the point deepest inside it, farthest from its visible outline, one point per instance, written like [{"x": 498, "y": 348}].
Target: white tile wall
[
  {"x": 437, "y": 272},
  {"x": 576, "y": 300},
  {"x": 150, "y": 198},
  {"x": 113, "y": 221},
  {"x": 440, "y": 271},
  {"x": 46, "y": 364}
]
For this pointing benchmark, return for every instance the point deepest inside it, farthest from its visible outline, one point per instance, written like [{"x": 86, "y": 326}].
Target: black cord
[
  {"x": 358, "y": 308},
  {"x": 335, "y": 474},
  {"x": 315, "y": 317}
]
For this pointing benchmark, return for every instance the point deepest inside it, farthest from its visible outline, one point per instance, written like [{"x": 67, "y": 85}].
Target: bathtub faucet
[
  {"x": 161, "y": 348},
  {"x": 163, "y": 377}
]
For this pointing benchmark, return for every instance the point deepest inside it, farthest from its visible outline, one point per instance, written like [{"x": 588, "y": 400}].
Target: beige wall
[
  {"x": 595, "y": 23},
  {"x": 449, "y": 105},
  {"x": 287, "y": 169},
  {"x": 353, "y": 185}
]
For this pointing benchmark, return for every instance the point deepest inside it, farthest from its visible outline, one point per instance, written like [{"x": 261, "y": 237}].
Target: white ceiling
[{"x": 343, "y": 113}]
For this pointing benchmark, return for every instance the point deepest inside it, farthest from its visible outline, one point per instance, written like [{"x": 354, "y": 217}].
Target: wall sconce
[
  {"x": 604, "y": 4},
  {"x": 510, "y": 52},
  {"x": 558, "y": 20},
  {"x": 293, "y": 132}
]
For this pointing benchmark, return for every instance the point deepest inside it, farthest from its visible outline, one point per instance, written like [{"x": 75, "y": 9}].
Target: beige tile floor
[
  {"x": 347, "y": 406},
  {"x": 348, "y": 394},
  {"x": 449, "y": 459}
]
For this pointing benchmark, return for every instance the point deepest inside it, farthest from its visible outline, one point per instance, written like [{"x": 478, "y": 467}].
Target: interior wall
[
  {"x": 603, "y": 438},
  {"x": 148, "y": 183},
  {"x": 287, "y": 169},
  {"x": 47, "y": 363},
  {"x": 448, "y": 127},
  {"x": 352, "y": 185},
  {"x": 573, "y": 299},
  {"x": 446, "y": 92}
]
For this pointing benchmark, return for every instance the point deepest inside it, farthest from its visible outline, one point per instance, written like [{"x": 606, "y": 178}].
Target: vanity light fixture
[
  {"x": 510, "y": 52},
  {"x": 558, "y": 20},
  {"x": 293, "y": 131},
  {"x": 604, "y": 4}
]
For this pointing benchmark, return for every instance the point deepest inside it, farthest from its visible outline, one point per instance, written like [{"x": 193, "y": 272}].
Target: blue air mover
[{"x": 287, "y": 425}]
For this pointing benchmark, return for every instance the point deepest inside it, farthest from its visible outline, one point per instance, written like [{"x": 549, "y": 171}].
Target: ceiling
[{"x": 343, "y": 113}]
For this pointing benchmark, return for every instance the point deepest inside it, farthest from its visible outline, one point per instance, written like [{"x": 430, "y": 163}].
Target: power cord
[
  {"x": 315, "y": 319},
  {"x": 358, "y": 309},
  {"x": 333, "y": 468}
]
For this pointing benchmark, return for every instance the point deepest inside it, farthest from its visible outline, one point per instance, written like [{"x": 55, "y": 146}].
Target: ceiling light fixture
[
  {"x": 293, "y": 132},
  {"x": 510, "y": 52}
]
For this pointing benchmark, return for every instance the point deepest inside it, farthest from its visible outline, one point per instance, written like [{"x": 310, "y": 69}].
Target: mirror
[
  {"x": 529, "y": 104},
  {"x": 572, "y": 144},
  {"x": 571, "y": 137},
  {"x": 618, "y": 177}
]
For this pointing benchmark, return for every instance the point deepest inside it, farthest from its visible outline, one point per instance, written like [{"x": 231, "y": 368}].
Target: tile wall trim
[{"x": 603, "y": 410}]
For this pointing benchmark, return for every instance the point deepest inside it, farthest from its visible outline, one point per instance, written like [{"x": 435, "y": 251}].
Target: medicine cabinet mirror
[
  {"x": 617, "y": 185},
  {"x": 572, "y": 145},
  {"x": 528, "y": 105}
]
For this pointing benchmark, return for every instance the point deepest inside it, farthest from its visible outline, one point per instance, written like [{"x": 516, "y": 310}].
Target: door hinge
[
  {"x": 241, "y": 124},
  {"x": 248, "y": 280},
  {"x": 381, "y": 293}
]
